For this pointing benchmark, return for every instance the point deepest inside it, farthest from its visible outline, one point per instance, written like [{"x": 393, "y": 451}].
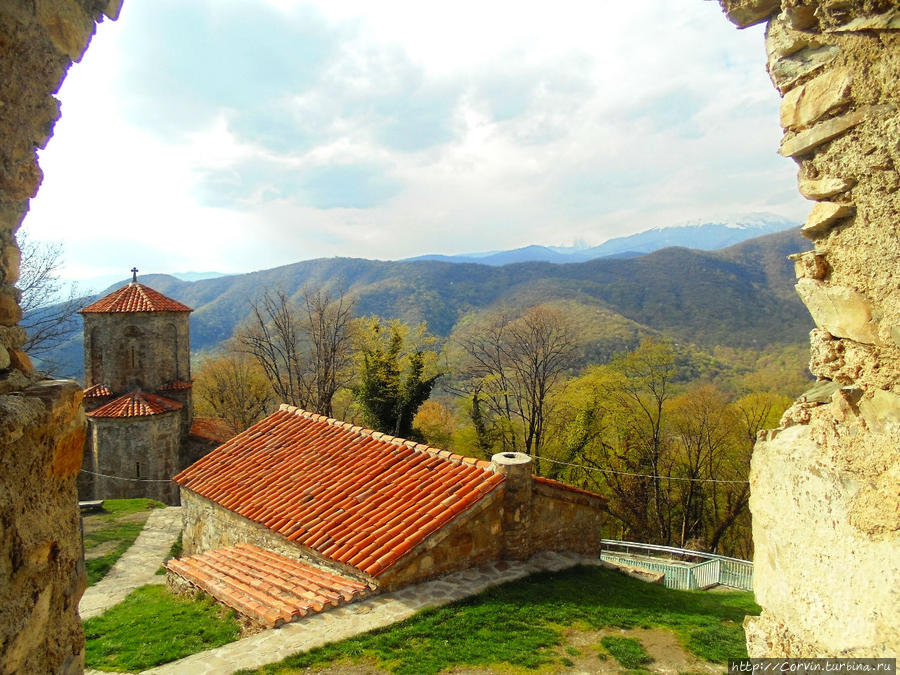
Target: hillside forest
[{"x": 663, "y": 429}]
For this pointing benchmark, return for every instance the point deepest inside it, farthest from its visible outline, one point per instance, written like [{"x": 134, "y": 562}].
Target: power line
[
  {"x": 133, "y": 480},
  {"x": 642, "y": 475}
]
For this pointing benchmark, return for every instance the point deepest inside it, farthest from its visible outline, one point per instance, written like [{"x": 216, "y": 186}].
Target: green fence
[{"x": 712, "y": 570}]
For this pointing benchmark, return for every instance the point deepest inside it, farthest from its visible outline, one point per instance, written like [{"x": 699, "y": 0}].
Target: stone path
[
  {"x": 137, "y": 566},
  {"x": 375, "y": 612}
]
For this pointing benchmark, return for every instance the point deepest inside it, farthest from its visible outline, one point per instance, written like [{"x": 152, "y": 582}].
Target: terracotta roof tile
[
  {"x": 353, "y": 497},
  {"x": 98, "y": 391},
  {"x": 267, "y": 587},
  {"x": 212, "y": 429},
  {"x": 135, "y": 298},
  {"x": 136, "y": 404},
  {"x": 566, "y": 486}
]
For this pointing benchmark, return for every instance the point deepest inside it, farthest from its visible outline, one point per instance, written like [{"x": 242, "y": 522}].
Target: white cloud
[{"x": 393, "y": 129}]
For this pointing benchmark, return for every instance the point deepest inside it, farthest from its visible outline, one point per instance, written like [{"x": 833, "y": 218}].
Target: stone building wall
[
  {"x": 507, "y": 523},
  {"x": 41, "y": 423},
  {"x": 566, "y": 520},
  {"x": 130, "y": 350},
  {"x": 826, "y": 485},
  {"x": 140, "y": 448}
]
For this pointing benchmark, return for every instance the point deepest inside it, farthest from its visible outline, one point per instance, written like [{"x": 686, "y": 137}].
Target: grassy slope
[
  {"x": 520, "y": 623},
  {"x": 152, "y": 626},
  {"x": 120, "y": 522}
]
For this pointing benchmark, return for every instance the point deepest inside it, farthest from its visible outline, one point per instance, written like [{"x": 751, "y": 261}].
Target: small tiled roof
[
  {"x": 264, "y": 586},
  {"x": 176, "y": 385},
  {"x": 212, "y": 429},
  {"x": 98, "y": 391},
  {"x": 356, "y": 496},
  {"x": 136, "y": 404},
  {"x": 135, "y": 297}
]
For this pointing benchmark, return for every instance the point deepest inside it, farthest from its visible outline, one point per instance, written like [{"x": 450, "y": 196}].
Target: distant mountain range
[
  {"x": 702, "y": 236},
  {"x": 741, "y": 296}
]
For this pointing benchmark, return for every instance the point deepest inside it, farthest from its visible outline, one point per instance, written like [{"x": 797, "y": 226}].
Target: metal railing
[{"x": 713, "y": 570}]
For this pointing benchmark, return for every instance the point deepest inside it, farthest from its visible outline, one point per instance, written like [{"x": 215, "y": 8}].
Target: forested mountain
[{"x": 740, "y": 296}]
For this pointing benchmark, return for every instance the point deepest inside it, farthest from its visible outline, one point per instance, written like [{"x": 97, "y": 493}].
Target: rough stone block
[
  {"x": 881, "y": 412},
  {"x": 824, "y": 216},
  {"x": 841, "y": 311},
  {"x": 9, "y": 264},
  {"x": 782, "y": 39},
  {"x": 887, "y": 21},
  {"x": 809, "y": 265},
  {"x": 10, "y": 312},
  {"x": 20, "y": 361},
  {"x": 824, "y": 188},
  {"x": 805, "y": 141},
  {"x": 68, "y": 26},
  {"x": 743, "y": 13},
  {"x": 67, "y": 453},
  {"x": 787, "y": 71},
  {"x": 804, "y": 105}
]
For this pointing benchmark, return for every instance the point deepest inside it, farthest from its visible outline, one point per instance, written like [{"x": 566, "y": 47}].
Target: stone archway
[{"x": 826, "y": 500}]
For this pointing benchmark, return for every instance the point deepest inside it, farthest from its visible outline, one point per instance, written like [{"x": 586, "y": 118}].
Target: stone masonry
[
  {"x": 41, "y": 423},
  {"x": 826, "y": 484}
]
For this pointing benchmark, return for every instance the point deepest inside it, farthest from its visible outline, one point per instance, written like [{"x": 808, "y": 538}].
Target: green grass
[
  {"x": 629, "y": 652},
  {"x": 117, "y": 523},
  {"x": 174, "y": 552},
  {"x": 152, "y": 626},
  {"x": 520, "y": 624}
]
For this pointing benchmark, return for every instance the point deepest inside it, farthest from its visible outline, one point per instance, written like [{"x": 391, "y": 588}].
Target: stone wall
[
  {"x": 564, "y": 519},
  {"x": 826, "y": 485},
  {"x": 130, "y": 350},
  {"x": 473, "y": 538},
  {"x": 41, "y": 423},
  {"x": 208, "y": 526},
  {"x": 142, "y": 449}
]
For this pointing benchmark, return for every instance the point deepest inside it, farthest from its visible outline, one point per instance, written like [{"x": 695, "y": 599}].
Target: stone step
[{"x": 267, "y": 588}]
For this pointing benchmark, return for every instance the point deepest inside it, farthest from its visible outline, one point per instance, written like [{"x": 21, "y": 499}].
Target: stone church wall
[
  {"x": 41, "y": 423},
  {"x": 825, "y": 486},
  {"x": 140, "y": 449},
  {"x": 131, "y": 350}
]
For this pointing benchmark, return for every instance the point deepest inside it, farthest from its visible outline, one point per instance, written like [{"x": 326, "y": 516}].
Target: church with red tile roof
[
  {"x": 297, "y": 496},
  {"x": 137, "y": 395}
]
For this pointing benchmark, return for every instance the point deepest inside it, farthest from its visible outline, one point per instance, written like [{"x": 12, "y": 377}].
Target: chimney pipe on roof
[{"x": 516, "y": 467}]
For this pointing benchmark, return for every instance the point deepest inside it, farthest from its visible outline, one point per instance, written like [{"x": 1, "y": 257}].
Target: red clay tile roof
[
  {"x": 356, "y": 496},
  {"x": 267, "y": 587},
  {"x": 212, "y": 429},
  {"x": 566, "y": 486},
  {"x": 98, "y": 391},
  {"x": 176, "y": 385},
  {"x": 135, "y": 298},
  {"x": 135, "y": 404}
]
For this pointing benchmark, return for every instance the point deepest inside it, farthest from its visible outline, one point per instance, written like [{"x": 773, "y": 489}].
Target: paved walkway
[
  {"x": 380, "y": 610},
  {"x": 137, "y": 566}
]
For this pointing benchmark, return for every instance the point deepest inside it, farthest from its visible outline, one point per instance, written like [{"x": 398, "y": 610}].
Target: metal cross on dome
[{"x": 134, "y": 271}]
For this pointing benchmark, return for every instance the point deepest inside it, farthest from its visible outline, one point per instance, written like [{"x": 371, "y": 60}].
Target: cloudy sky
[{"x": 240, "y": 135}]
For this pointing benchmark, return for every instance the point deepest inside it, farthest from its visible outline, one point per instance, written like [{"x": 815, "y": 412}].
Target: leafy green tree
[{"x": 396, "y": 374}]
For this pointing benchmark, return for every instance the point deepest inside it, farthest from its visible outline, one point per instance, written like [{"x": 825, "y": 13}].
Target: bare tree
[
  {"x": 514, "y": 365},
  {"x": 48, "y": 309},
  {"x": 304, "y": 352}
]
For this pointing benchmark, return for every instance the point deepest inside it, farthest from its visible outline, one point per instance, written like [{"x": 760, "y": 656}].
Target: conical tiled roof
[
  {"x": 135, "y": 297},
  {"x": 136, "y": 404}
]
